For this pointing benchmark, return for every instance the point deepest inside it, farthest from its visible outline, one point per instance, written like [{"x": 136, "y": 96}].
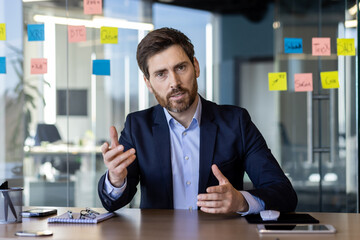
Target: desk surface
[{"x": 176, "y": 224}]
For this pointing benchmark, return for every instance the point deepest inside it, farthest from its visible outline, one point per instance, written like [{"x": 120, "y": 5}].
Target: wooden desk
[{"x": 177, "y": 224}]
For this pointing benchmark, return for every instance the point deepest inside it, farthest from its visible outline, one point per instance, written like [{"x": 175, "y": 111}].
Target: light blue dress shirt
[
  {"x": 185, "y": 157},
  {"x": 185, "y": 145}
]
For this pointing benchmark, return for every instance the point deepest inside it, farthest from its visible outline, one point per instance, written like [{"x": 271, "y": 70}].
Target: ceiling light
[
  {"x": 351, "y": 23},
  {"x": 96, "y": 22},
  {"x": 353, "y": 10},
  {"x": 35, "y": 0}
]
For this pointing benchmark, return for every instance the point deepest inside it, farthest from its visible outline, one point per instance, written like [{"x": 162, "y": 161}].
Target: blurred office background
[{"x": 52, "y": 125}]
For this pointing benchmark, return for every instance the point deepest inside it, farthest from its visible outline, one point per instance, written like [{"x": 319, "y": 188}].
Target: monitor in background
[{"x": 78, "y": 99}]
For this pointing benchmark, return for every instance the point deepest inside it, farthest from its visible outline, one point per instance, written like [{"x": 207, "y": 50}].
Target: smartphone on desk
[
  {"x": 295, "y": 228},
  {"x": 38, "y": 212}
]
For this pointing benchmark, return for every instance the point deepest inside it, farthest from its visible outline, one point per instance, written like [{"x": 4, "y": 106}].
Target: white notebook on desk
[{"x": 64, "y": 218}]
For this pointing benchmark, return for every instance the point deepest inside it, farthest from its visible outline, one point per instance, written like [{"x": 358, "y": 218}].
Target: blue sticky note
[
  {"x": 2, "y": 64},
  {"x": 293, "y": 45},
  {"x": 35, "y": 32},
  {"x": 101, "y": 67}
]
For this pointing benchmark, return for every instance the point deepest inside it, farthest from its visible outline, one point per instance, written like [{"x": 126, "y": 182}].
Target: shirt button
[
  {"x": 188, "y": 183},
  {"x": 186, "y": 158},
  {"x": 184, "y": 134}
]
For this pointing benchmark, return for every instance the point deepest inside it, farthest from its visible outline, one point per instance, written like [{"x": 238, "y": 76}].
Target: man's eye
[
  {"x": 181, "y": 68},
  {"x": 160, "y": 74}
]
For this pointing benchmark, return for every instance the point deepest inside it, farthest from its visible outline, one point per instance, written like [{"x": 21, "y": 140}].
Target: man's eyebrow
[
  {"x": 182, "y": 63},
  {"x": 159, "y": 71},
  {"x": 175, "y": 66}
]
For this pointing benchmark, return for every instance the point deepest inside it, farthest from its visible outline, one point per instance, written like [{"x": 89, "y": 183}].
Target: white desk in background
[{"x": 45, "y": 185}]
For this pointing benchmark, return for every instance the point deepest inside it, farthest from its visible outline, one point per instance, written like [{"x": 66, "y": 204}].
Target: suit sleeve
[
  {"x": 270, "y": 183},
  {"x": 107, "y": 201}
]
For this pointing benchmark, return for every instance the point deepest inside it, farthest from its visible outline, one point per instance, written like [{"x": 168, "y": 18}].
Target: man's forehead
[{"x": 169, "y": 57}]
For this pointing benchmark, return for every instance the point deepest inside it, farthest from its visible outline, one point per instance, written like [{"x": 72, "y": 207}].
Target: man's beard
[{"x": 179, "y": 105}]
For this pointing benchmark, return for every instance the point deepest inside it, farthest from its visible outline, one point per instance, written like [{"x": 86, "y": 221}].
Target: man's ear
[
  {"x": 147, "y": 82},
  {"x": 197, "y": 68}
]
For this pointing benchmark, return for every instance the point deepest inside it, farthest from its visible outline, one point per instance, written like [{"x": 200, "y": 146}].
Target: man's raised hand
[{"x": 116, "y": 160}]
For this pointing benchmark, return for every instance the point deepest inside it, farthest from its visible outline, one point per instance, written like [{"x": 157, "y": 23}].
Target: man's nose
[{"x": 174, "y": 79}]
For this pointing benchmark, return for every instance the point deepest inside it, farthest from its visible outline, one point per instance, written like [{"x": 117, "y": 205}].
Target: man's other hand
[{"x": 223, "y": 198}]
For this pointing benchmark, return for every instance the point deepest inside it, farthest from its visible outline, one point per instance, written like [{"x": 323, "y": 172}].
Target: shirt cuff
[
  {"x": 256, "y": 205},
  {"x": 114, "y": 192}
]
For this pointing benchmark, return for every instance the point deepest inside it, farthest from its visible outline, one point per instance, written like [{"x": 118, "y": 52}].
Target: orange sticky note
[
  {"x": 108, "y": 35},
  {"x": 345, "y": 46},
  {"x": 92, "y": 6},
  {"x": 38, "y": 66},
  {"x": 303, "y": 82},
  {"x": 76, "y": 33},
  {"x": 277, "y": 81},
  {"x": 2, "y": 31},
  {"x": 321, "y": 47},
  {"x": 329, "y": 79}
]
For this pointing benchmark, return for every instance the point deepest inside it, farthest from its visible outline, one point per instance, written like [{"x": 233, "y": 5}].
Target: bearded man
[{"x": 187, "y": 152}]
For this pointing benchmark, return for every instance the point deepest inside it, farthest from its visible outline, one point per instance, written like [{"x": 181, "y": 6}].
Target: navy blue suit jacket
[{"x": 228, "y": 138}]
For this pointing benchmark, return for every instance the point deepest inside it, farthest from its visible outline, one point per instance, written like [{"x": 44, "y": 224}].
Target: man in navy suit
[{"x": 187, "y": 152}]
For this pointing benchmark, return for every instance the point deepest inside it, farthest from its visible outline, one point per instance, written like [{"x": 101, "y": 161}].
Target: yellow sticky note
[
  {"x": 109, "y": 35},
  {"x": 345, "y": 46},
  {"x": 2, "y": 31},
  {"x": 329, "y": 79},
  {"x": 277, "y": 81}
]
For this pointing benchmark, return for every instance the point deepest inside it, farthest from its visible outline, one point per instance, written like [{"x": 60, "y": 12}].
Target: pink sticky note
[
  {"x": 38, "y": 66},
  {"x": 92, "y": 6},
  {"x": 303, "y": 82},
  {"x": 76, "y": 33},
  {"x": 321, "y": 47}
]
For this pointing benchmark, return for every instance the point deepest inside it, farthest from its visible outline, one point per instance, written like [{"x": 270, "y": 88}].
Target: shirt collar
[{"x": 197, "y": 114}]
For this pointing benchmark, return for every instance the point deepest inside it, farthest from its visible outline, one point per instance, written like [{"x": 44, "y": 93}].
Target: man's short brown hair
[{"x": 159, "y": 40}]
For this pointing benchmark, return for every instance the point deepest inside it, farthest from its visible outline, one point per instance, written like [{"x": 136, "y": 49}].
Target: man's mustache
[{"x": 176, "y": 91}]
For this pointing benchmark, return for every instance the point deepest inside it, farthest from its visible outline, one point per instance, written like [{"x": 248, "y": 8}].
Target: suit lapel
[
  {"x": 208, "y": 131},
  {"x": 161, "y": 136}
]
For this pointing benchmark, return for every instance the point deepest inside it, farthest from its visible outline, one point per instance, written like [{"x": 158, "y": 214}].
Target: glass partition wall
[
  {"x": 318, "y": 129},
  {"x": 53, "y": 122},
  {"x": 76, "y": 104},
  {"x": 313, "y": 133}
]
